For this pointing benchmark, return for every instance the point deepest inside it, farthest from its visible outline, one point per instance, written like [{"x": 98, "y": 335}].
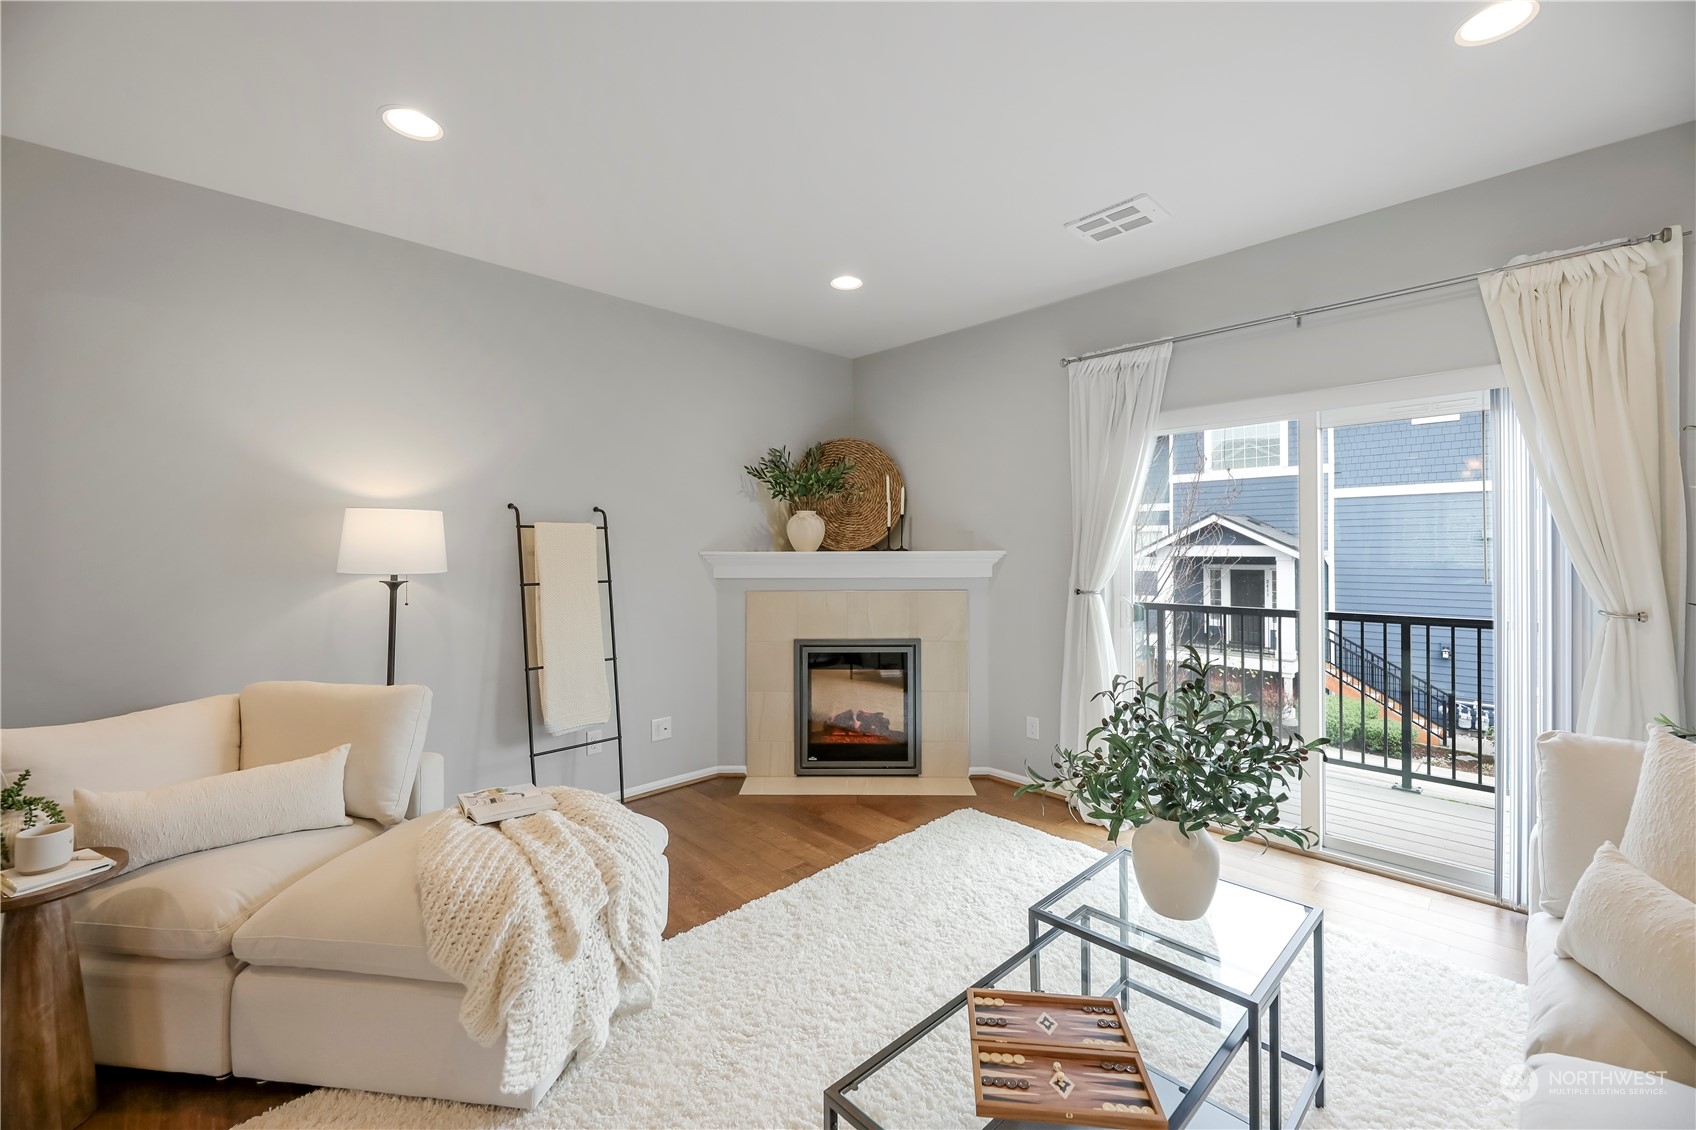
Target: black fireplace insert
[{"x": 857, "y": 707}]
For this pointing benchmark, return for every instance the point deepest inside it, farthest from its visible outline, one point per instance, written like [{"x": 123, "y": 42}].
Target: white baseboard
[
  {"x": 998, "y": 774},
  {"x": 631, "y": 792}
]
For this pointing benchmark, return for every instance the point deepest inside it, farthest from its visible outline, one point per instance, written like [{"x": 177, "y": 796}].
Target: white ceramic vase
[
  {"x": 1177, "y": 874},
  {"x": 806, "y": 531}
]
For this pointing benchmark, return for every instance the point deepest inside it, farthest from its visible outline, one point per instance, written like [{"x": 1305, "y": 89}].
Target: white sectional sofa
[
  {"x": 1581, "y": 1032},
  {"x": 296, "y": 958}
]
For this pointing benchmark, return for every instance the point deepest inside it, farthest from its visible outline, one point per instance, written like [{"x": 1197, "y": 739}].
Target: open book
[
  {"x": 487, "y": 806},
  {"x": 84, "y": 862}
]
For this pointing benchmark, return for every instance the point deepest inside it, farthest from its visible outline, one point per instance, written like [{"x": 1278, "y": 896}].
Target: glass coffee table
[{"x": 1204, "y": 1000}]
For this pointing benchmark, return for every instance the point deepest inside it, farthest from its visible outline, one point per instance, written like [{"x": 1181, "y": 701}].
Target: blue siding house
[{"x": 1405, "y": 511}]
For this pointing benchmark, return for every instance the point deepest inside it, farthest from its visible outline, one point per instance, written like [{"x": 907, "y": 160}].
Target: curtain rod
[{"x": 1663, "y": 236}]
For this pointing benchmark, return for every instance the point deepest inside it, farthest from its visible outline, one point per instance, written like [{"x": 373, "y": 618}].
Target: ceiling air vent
[{"x": 1126, "y": 216}]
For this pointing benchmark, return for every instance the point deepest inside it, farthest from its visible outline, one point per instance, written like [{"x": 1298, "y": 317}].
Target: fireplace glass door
[{"x": 857, "y": 707}]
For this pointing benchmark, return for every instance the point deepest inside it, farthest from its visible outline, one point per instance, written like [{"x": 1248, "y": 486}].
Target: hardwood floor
[{"x": 727, "y": 850}]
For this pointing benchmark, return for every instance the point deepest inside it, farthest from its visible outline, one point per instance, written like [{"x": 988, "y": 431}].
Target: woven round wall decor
[{"x": 855, "y": 520}]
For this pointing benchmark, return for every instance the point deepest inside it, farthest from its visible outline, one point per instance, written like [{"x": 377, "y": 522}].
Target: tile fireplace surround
[{"x": 767, "y": 601}]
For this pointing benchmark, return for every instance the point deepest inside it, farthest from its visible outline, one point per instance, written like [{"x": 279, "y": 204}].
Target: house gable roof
[{"x": 1249, "y": 528}]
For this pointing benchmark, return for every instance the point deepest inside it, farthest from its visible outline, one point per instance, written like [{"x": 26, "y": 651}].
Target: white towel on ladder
[{"x": 573, "y": 677}]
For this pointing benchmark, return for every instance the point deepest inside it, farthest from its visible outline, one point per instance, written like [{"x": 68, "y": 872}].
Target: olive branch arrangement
[
  {"x": 803, "y": 482},
  {"x": 1193, "y": 755}
]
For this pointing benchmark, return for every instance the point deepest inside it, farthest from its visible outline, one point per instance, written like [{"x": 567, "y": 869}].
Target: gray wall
[
  {"x": 977, "y": 418},
  {"x": 196, "y": 385}
]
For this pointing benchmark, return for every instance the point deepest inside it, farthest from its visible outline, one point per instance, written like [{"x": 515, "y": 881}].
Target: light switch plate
[{"x": 662, "y": 729}]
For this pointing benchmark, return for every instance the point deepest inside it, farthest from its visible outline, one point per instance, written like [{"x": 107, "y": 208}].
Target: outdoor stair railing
[{"x": 1372, "y": 675}]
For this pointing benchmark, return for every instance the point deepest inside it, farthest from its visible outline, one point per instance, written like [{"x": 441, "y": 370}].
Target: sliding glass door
[
  {"x": 1409, "y": 639},
  {"x": 1338, "y": 565},
  {"x": 1215, "y": 567}
]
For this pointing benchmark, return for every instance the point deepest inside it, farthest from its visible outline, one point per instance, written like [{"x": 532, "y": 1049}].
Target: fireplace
[{"x": 857, "y": 707}]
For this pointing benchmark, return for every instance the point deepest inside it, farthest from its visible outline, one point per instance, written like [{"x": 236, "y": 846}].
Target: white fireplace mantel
[{"x": 915, "y": 564}]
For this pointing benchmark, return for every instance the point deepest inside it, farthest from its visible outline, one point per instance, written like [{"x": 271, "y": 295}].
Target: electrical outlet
[
  {"x": 662, "y": 729},
  {"x": 593, "y": 737},
  {"x": 1033, "y": 729}
]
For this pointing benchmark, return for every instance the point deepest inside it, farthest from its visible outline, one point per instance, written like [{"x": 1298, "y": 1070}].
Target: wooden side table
[{"x": 44, "y": 1041}]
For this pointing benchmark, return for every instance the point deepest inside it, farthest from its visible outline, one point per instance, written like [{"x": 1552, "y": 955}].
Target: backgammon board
[{"x": 1047, "y": 1057}]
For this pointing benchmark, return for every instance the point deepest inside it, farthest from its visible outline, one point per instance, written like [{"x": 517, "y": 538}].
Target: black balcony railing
[
  {"x": 1405, "y": 695},
  {"x": 1255, "y": 648}
]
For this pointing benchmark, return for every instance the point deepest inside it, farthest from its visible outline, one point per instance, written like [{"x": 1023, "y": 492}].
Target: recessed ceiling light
[
  {"x": 1498, "y": 21},
  {"x": 846, "y": 282},
  {"x": 415, "y": 124}
]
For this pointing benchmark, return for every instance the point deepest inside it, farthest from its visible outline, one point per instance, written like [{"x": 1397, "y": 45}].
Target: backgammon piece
[
  {"x": 1018, "y": 1059},
  {"x": 1060, "y": 1082},
  {"x": 997, "y": 1001}
]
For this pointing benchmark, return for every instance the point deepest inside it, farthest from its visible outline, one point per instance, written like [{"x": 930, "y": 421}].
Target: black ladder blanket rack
[{"x": 531, "y": 669}]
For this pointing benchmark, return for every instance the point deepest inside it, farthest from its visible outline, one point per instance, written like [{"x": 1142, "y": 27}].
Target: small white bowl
[{"x": 43, "y": 848}]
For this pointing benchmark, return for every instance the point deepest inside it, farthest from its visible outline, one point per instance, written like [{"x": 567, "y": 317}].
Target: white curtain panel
[
  {"x": 1114, "y": 402},
  {"x": 1589, "y": 349}
]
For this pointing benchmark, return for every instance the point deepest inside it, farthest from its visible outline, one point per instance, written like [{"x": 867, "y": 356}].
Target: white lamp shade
[{"x": 392, "y": 541}]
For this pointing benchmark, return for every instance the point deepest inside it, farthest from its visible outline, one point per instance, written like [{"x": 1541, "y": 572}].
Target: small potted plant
[
  {"x": 18, "y": 811},
  {"x": 803, "y": 483},
  {"x": 1170, "y": 763}
]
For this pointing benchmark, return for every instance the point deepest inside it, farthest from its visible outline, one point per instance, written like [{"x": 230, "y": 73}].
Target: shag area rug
[{"x": 763, "y": 1008}]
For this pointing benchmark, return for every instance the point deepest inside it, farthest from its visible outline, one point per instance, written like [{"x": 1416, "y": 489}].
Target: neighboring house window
[
  {"x": 1246, "y": 447},
  {"x": 1215, "y": 586},
  {"x": 1145, "y": 536}
]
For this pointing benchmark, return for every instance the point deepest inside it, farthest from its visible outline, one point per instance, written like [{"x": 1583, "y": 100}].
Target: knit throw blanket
[{"x": 550, "y": 921}]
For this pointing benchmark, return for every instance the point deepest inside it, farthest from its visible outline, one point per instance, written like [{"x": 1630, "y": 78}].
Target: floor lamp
[{"x": 396, "y": 542}]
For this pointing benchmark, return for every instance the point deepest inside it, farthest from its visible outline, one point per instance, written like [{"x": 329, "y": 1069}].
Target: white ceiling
[{"x": 726, "y": 160}]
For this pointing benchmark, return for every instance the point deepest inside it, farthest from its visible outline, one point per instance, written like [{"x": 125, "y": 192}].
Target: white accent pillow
[
  {"x": 144, "y": 750},
  {"x": 1660, "y": 833},
  {"x": 1585, "y": 786},
  {"x": 383, "y": 726},
  {"x": 1637, "y": 935},
  {"x": 230, "y": 808}
]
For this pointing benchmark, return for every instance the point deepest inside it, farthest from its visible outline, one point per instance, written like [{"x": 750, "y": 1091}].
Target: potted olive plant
[
  {"x": 1170, "y": 763},
  {"x": 803, "y": 483}
]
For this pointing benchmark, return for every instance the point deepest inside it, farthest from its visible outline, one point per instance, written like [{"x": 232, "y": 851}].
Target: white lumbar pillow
[
  {"x": 229, "y": 808},
  {"x": 1659, "y": 837},
  {"x": 1637, "y": 935}
]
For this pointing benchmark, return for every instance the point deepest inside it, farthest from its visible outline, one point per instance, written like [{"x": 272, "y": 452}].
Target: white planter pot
[
  {"x": 1177, "y": 874},
  {"x": 43, "y": 847},
  {"x": 806, "y": 531}
]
